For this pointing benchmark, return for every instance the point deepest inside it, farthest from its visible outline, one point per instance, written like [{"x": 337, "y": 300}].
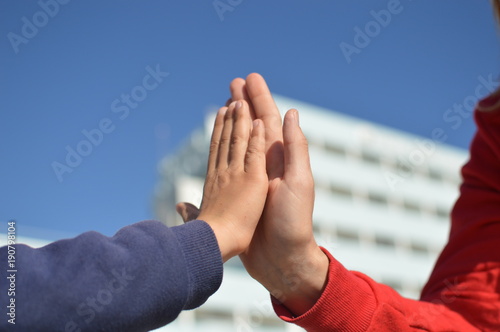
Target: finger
[
  {"x": 266, "y": 110},
  {"x": 215, "y": 140},
  {"x": 237, "y": 89},
  {"x": 255, "y": 159},
  {"x": 239, "y": 92},
  {"x": 225, "y": 138},
  {"x": 264, "y": 107},
  {"x": 187, "y": 211},
  {"x": 228, "y": 102},
  {"x": 296, "y": 149},
  {"x": 240, "y": 135}
]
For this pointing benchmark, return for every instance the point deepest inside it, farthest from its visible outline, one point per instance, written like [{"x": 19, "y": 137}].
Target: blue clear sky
[{"x": 64, "y": 78}]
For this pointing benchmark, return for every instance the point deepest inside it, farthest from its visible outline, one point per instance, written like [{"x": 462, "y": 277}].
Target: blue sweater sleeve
[{"x": 137, "y": 280}]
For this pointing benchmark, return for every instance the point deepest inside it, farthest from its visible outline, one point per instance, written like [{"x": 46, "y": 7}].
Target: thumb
[
  {"x": 297, "y": 162},
  {"x": 187, "y": 211}
]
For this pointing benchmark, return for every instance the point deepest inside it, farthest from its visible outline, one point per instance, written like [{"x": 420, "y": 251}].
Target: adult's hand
[{"x": 283, "y": 255}]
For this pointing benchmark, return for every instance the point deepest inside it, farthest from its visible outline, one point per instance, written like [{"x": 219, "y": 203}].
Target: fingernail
[
  {"x": 232, "y": 106},
  {"x": 238, "y": 105},
  {"x": 256, "y": 123}
]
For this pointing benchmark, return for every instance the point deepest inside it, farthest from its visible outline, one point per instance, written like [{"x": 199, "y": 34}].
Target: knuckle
[
  {"x": 237, "y": 139},
  {"x": 254, "y": 152},
  {"x": 214, "y": 144},
  {"x": 224, "y": 140},
  {"x": 224, "y": 179}
]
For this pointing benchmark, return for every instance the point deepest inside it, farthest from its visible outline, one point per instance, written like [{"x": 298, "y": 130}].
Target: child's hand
[
  {"x": 236, "y": 184},
  {"x": 283, "y": 256}
]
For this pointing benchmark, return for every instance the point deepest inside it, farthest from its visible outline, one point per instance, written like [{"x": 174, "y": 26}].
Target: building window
[
  {"x": 435, "y": 174},
  {"x": 370, "y": 157},
  {"x": 411, "y": 206},
  {"x": 334, "y": 148},
  {"x": 419, "y": 248},
  {"x": 347, "y": 235},
  {"x": 204, "y": 315},
  {"x": 404, "y": 169},
  {"x": 384, "y": 241},
  {"x": 377, "y": 198},
  {"x": 442, "y": 213},
  {"x": 340, "y": 191},
  {"x": 394, "y": 284}
]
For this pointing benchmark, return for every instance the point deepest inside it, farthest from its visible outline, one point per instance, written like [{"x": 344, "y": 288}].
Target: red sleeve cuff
[{"x": 347, "y": 303}]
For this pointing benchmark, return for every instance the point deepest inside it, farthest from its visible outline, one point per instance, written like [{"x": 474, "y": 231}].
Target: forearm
[
  {"x": 352, "y": 301},
  {"x": 138, "y": 280},
  {"x": 469, "y": 266},
  {"x": 462, "y": 293}
]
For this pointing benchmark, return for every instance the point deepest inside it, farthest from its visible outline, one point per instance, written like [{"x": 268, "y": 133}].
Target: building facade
[{"x": 382, "y": 207}]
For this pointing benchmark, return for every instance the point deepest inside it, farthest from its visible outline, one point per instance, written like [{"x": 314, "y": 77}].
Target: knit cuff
[
  {"x": 203, "y": 260},
  {"x": 347, "y": 303}
]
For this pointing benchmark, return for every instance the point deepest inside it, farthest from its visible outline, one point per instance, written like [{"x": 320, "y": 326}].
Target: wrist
[
  {"x": 302, "y": 282},
  {"x": 225, "y": 240}
]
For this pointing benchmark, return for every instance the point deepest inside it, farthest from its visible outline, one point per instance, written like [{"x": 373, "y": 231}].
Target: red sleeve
[
  {"x": 463, "y": 292},
  {"x": 468, "y": 270}
]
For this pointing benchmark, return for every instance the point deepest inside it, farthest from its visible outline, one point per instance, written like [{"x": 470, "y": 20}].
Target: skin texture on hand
[
  {"x": 283, "y": 255},
  {"x": 236, "y": 183}
]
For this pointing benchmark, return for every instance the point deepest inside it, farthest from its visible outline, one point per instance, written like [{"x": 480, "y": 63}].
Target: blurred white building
[
  {"x": 382, "y": 204},
  {"x": 382, "y": 207}
]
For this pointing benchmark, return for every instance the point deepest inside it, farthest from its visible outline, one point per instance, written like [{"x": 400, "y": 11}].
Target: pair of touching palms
[{"x": 259, "y": 195}]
